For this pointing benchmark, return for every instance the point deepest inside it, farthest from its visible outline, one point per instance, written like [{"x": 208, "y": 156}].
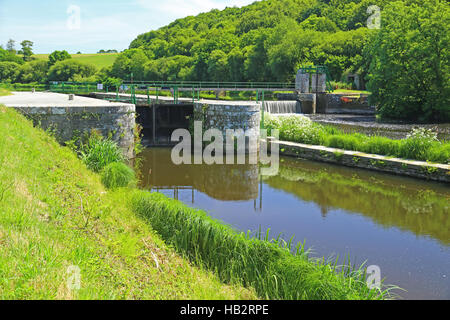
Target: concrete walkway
[{"x": 50, "y": 99}]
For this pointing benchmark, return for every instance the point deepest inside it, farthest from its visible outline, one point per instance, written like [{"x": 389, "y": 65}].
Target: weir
[{"x": 277, "y": 107}]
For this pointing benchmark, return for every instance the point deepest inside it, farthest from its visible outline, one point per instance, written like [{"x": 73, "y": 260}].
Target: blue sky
[{"x": 104, "y": 24}]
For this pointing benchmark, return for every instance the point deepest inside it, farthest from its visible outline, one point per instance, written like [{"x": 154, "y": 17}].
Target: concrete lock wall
[
  {"x": 314, "y": 83},
  {"x": 308, "y": 102},
  {"x": 116, "y": 121},
  {"x": 223, "y": 115},
  {"x": 318, "y": 82},
  {"x": 302, "y": 82}
]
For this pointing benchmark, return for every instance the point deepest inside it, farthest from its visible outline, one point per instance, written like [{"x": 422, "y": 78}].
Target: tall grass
[
  {"x": 117, "y": 175},
  {"x": 99, "y": 152},
  {"x": 267, "y": 266},
  {"x": 421, "y": 144}
]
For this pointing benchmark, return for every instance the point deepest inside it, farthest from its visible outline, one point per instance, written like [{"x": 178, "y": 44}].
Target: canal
[{"x": 400, "y": 224}]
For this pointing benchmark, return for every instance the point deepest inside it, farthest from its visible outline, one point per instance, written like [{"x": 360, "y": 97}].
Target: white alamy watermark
[
  {"x": 374, "y": 20},
  {"x": 73, "y": 278},
  {"x": 374, "y": 277},
  {"x": 235, "y": 147},
  {"x": 74, "y": 19}
]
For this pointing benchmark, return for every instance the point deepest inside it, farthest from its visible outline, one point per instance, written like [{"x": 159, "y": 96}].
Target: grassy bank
[
  {"x": 55, "y": 213},
  {"x": 4, "y": 92},
  {"x": 268, "y": 266},
  {"x": 420, "y": 145}
]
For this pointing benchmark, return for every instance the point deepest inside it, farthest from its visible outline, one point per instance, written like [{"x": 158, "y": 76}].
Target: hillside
[
  {"x": 265, "y": 41},
  {"x": 56, "y": 216},
  {"x": 101, "y": 60}
]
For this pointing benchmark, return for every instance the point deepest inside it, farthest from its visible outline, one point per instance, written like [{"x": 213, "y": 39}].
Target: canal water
[{"x": 401, "y": 225}]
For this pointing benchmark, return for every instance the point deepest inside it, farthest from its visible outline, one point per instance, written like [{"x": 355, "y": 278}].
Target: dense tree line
[
  {"x": 58, "y": 67},
  {"x": 265, "y": 41},
  {"x": 409, "y": 69}
]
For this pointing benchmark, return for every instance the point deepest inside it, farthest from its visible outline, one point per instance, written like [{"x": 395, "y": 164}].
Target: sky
[{"x": 90, "y": 25}]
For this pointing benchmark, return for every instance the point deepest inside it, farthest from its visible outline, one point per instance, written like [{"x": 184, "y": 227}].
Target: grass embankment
[
  {"x": 55, "y": 213},
  {"x": 101, "y": 60},
  {"x": 4, "y": 92},
  {"x": 420, "y": 145},
  {"x": 268, "y": 266}
]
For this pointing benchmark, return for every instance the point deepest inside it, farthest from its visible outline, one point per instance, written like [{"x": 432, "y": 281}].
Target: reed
[
  {"x": 274, "y": 268},
  {"x": 99, "y": 152},
  {"x": 117, "y": 175}
]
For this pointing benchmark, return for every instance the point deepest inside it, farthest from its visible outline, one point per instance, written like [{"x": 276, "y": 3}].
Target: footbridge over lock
[{"x": 164, "y": 106}]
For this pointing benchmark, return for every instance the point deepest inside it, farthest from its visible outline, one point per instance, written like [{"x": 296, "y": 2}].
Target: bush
[
  {"x": 418, "y": 144},
  {"x": 117, "y": 175},
  {"x": 66, "y": 70},
  {"x": 99, "y": 152},
  {"x": 9, "y": 71},
  {"x": 421, "y": 144},
  {"x": 343, "y": 141},
  {"x": 439, "y": 153},
  {"x": 300, "y": 129},
  {"x": 382, "y": 146}
]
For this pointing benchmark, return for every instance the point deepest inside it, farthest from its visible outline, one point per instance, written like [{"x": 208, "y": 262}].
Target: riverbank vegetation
[
  {"x": 56, "y": 216},
  {"x": 268, "y": 266},
  {"x": 421, "y": 144}
]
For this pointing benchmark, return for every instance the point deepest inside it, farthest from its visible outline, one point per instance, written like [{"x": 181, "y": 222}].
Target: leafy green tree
[
  {"x": 316, "y": 23},
  {"x": 235, "y": 62},
  {"x": 9, "y": 71},
  {"x": 129, "y": 62},
  {"x": 56, "y": 56},
  {"x": 68, "y": 70},
  {"x": 8, "y": 56},
  {"x": 33, "y": 71},
  {"x": 27, "y": 49},
  {"x": 217, "y": 66},
  {"x": 409, "y": 68}
]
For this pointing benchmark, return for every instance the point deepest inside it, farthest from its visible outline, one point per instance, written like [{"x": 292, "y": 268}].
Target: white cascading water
[{"x": 282, "y": 107}]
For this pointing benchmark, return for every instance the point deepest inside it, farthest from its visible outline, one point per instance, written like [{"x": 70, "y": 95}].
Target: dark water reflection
[{"x": 399, "y": 224}]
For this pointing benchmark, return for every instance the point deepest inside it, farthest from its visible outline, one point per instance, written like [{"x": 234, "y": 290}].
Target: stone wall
[
  {"x": 223, "y": 115},
  {"x": 116, "y": 121},
  {"x": 416, "y": 169}
]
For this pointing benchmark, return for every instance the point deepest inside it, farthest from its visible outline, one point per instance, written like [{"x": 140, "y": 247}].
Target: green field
[{"x": 101, "y": 60}]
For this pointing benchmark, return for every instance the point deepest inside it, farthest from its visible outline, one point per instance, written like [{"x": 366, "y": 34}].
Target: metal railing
[{"x": 213, "y": 85}]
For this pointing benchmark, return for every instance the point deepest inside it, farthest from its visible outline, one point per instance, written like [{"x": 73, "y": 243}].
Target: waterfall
[{"x": 282, "y": 107}]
